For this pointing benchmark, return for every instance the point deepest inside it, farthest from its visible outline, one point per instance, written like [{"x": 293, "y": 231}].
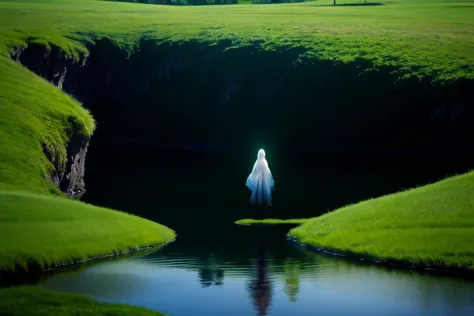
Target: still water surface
[{"x": 218, "y": 268}]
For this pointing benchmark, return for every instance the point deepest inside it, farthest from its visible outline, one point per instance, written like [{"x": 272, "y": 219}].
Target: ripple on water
[{"x": 266, "y": 282}]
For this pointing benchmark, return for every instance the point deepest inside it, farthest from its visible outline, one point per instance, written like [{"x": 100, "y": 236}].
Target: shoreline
[
  {"x": 399, "y": 264},
  {"x": 33, "y": 272},
  {"x": 114, "y": 254}
]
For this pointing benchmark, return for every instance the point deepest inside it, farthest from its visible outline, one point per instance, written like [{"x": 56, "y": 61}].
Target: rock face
[
  {"x": 53, "y": 67},
  {"x": 72, "y": 181},
  {"x": 69, "y": 178}
]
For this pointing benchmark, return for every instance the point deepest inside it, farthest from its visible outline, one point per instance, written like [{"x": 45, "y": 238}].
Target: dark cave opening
[{"x": 207, "y": 109}]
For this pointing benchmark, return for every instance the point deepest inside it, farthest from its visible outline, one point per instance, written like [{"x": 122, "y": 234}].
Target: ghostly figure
[{"x": 260, "y": 181}]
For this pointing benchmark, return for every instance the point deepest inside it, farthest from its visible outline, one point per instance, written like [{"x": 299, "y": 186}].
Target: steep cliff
[
  {"x": 194, "y": 94},
  {"x": 53, "y": 65}
]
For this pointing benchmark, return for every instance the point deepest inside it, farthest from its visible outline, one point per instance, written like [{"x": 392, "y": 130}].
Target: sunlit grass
[
  {"x": 432, "y": 38},
  {"x": 430, "y": 225},
  {"x": 25, "y": 300},
  {"x": 48, "y": 230}
]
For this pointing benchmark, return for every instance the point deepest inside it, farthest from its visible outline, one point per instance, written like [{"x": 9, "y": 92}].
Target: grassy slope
[
  {"x": 270, "y": 221},
  {"x": 433, "y": 224},
  {"x": 33, "y": 112},
  {"x": 20, "y": 301},
  {"x": 49, "y": 230}
]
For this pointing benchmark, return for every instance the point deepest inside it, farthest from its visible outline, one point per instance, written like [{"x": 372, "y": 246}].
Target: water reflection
[
  {"x": 218, "y": 268},
  {"x": 260, "y": 285},
  {"x": 209, "y": 277},
  {"x": 273, "y": 277}
]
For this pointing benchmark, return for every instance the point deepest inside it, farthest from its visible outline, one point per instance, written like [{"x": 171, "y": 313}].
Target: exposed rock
[
  {"x": 16, "y": 53},
  {"x": 69, "y": 177},
  {"x": 72, "y": 181}
]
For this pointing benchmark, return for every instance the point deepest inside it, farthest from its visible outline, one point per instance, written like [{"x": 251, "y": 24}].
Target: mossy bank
[{"x": 427, "y": 227}]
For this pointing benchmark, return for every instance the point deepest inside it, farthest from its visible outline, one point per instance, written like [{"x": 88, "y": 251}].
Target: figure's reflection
[
  {"x": 210, "y": 276},
  {"x": 260, "y": 287}
]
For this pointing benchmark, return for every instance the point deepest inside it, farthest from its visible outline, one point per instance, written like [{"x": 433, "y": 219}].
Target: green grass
[
  {"x": 270, "y": 221},
  {"x": 49, "y": 230},
  {"x": 21, "y": 301},
  {"x": 421, "y": 38},
  {"x": 429, "y": 225}
]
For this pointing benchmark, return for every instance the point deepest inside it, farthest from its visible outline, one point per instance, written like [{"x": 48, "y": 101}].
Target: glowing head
[{"x": 261, "y": 153}]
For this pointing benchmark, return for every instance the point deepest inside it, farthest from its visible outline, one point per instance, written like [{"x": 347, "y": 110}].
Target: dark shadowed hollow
[{"x": 178, "y": 130}]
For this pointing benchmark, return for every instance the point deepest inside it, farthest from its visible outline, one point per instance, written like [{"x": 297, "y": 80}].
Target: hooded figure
[{"x": 260, "y": 181}]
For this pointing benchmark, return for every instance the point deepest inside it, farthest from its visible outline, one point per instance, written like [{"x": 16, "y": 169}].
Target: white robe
[{"x": 260, "y": 181}]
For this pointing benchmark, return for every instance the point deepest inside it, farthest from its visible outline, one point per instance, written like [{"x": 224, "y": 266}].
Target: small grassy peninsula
[
  {"x": 270, "y": 221},
  {"x": 430, "y": 226},
  {"x": 20, "y": 301}
]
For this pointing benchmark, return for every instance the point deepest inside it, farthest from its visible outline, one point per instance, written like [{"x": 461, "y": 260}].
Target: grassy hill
[
  {"x": 33, "y": 114},
  {"x": 43, "y": 230},
  {"x": 48, "y": 230},
  {"x": 37, "y": 228},
  {"x": 431, "y": 225}
]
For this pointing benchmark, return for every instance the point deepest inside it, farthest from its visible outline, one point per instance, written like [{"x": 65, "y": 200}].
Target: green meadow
[
  {"x": 20, "y": 301},
  {"x": 421, "y": 38},
  {"x": 432, "y": 225}
]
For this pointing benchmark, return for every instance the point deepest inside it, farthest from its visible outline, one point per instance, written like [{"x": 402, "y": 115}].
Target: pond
[{"x": 218, "y": 268}]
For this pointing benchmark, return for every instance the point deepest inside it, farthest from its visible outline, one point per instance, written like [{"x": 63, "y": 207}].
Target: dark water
[{"x": 218, "y": 268}]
